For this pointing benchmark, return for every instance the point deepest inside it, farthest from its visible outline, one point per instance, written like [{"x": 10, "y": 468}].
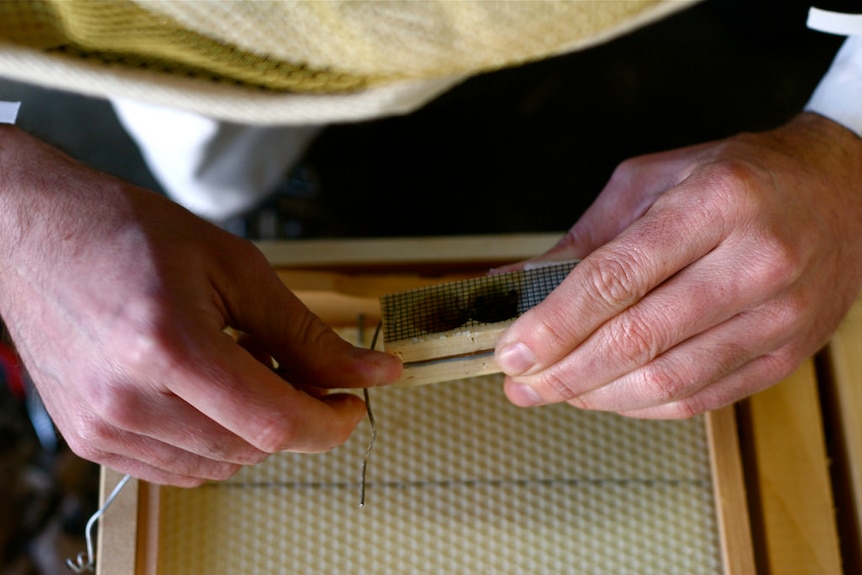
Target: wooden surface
[
  {"x": 790, "y": 475},
  {"x": 730, "y": 493},
  {"x": 844, "y": 359},
  {"x": 786, "y": 469},
  {"x": 118, "y": 528},
  {"x": 479, "y": 250}
]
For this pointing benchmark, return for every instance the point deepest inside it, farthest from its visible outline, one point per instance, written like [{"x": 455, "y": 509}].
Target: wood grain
[
  {"x": 730, "y": 496},
  {"x": 844, "y": 355},
  {"x": 795, "y": 493}
]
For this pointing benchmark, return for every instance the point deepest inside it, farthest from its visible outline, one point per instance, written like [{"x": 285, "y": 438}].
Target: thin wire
[
  {"x": 373, "y": 424},
  {"x": 87, "y": 563}
]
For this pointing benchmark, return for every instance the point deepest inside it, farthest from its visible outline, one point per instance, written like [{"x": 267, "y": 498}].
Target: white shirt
[{"x": 838, "y": 96}]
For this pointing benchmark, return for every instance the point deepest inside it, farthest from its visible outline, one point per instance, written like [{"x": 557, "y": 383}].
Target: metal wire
[
  {"x": 373, "y": 424},
  {"x": 86, "y": 563}
]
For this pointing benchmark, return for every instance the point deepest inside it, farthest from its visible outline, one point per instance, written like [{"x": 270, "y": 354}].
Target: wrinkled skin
[
  {"x": 709, "y": 273},
  {"x": 117, "y": 300}
]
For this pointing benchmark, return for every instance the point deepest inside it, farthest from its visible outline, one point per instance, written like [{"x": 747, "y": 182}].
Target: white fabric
[
  {"x": 835, "y": 22},
  {"x": 215, "y": 169},
  {"x": 838, "y": 96},
  {"x": 9, "y": 112}
]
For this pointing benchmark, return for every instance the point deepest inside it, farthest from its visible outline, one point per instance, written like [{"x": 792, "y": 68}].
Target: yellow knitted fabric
[
  {"x": 122, "y": 33},
  {"x": 323, "y": 46}
]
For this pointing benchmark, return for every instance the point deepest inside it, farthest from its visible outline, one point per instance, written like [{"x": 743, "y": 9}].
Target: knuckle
[
  {"x": 561, "y": 385},
  {"x": 612, "y": 280},
  {"x": 274, "y": 434},
  {"x": 731, "y": 174},
  {"x": 780, "y": 263},
  {"x": 781, "y": 364},
  {"x": 85, "y": 449},
  {"x": 790, "y": 312},
  {"x": 582, "y": 402},
  {"x": 118, "y": 407},
  {"x": 91, "y": 433},
  {"x": 686, "y": 408},
  {"x": 628, "y": 169},
  {"x": 186, "y": 482},
  {"x": 733, "y": 184},
  {"x": 552, "y": 332},
  {"x": 659, "y": 383},
  {"x": 222, "y": 472},
  {"x": 632, "y": 338}
]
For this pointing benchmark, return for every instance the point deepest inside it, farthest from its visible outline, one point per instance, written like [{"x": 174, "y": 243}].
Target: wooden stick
[
  {"x": 505, "y": 248},
  {"x": 116, "y": 550},
  {"x": 729, "y": 488}
]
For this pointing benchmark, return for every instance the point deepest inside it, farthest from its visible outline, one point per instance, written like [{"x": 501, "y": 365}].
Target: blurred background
[{"x": 518, "y": 150}]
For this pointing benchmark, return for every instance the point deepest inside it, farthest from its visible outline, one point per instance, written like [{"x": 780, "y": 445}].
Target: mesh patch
[{"x": 463, "y": 304}]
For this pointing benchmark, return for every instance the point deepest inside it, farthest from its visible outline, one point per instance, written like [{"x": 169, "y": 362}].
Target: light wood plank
[
  {"x": 459, "y": 341},
  {"x": 448, "y": 370},
  {"x": 844, "y": 354},
  {"x": 148, "y": 529},
  {"x": 793, "y": 478},
  {"x": 413, "y": 251},
  {"x": 730, "y": 496},
  {"x": 117, "y": 550}
]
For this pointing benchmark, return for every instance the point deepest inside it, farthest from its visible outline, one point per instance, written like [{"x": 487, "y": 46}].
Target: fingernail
[
  {"x": 371, "y": 356},
  {"x": 516, "y": 359},
  {"x": 388, "y": 366},
  {"x": 523, "y": 395}
]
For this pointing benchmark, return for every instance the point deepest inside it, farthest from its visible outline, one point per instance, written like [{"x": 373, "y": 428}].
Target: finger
[
  {"x": 167, "y": 418},
  {"x": 230, "y": 387},
  {"x": 691, "y": 366},
  {"x": 303, "y": 345},
  {"x": 753, "y": 377},
  {"x": 610, "y": 280},
  {"x": 149, "y": 473},
  {"x": 703, "y": 295},
  {"x": 149, "y": 459}
]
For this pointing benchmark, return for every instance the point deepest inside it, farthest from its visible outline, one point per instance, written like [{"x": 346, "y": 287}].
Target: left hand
[{"x": 709, "y": 273}]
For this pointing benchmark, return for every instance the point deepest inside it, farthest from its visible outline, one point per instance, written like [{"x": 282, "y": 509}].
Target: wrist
[{"x": 11, "y": 202}]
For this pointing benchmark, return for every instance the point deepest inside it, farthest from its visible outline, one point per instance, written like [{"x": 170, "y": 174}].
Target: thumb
[{"x": 307, "y": 350}]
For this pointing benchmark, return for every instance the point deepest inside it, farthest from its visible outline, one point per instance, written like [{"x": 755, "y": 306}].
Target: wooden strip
[
  {"x": 844, "y": 354},
  {"x": 460, "y": 341},
  {"x": 339, "y": 310},
  {"x": 370, "y": 285},
  {"x": 149, "y": 506},
  {"x": 116, "y": 551},
  {"x": 729, "y": 488},
  {"x": 799, "y": 530},
  {"x": 447, "y": 370},
  {"x": 414, "y": 251}
]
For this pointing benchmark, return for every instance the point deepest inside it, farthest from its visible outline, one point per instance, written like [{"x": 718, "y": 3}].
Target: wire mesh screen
[{"x": 462, "y": 304}]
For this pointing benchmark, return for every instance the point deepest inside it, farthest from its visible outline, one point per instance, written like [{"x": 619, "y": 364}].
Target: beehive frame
[{"x": 755, "y": 490}]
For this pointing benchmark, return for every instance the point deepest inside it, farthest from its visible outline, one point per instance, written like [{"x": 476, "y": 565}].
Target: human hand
[
  {"x": 709, "y": 273},
  {"x": 117, "y": 300}
]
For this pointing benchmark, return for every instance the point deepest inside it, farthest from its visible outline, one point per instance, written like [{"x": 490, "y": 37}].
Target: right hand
[{"x": 117, "y": 300}]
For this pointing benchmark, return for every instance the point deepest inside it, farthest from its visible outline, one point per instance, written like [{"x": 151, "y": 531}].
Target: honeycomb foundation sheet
[{"x": 461, "y": 481}]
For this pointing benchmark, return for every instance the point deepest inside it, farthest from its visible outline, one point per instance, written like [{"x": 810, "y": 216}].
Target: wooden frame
[{"x": 771, "y": 472}]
